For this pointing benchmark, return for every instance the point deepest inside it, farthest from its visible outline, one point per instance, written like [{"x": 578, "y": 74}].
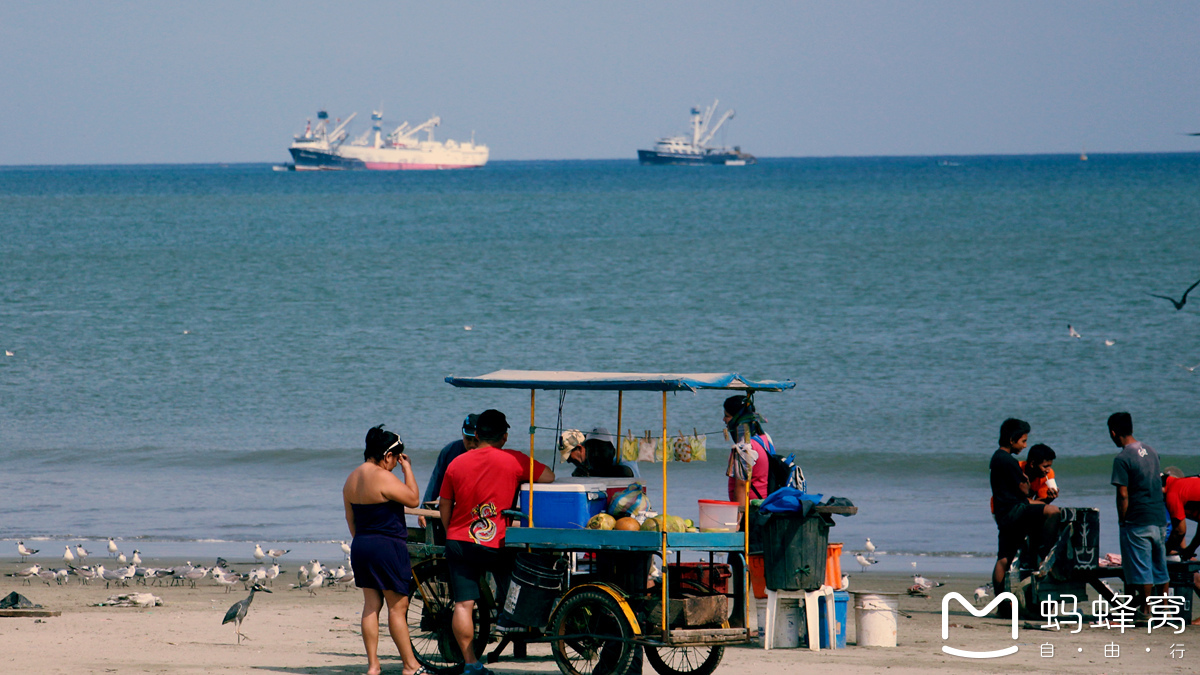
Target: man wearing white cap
[{"x": 594, "y": 455}]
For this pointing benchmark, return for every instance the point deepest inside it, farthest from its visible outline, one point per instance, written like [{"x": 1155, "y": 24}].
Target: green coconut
[{"x": 601, "y": 521}]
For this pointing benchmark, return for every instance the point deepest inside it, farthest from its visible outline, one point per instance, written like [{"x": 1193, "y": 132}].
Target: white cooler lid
[{"x": 561, "y": 487}]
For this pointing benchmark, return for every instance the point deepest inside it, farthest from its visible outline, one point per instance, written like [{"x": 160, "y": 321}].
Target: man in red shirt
[
  {"x": 478, "y": 486},
  {"x": 1182, "y": 496}
]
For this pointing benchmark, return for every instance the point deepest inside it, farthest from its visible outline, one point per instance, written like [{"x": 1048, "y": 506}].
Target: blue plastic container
[
  {"x": 841, "y": 601},
  {"x": 563, "y": 505}
]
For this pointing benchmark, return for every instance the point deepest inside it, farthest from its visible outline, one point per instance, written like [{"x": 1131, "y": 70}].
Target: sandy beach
[{"x": 294, "y": 632}]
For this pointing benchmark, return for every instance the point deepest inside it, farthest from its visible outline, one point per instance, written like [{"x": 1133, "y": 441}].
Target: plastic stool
[{"x": 810, "y": 600}]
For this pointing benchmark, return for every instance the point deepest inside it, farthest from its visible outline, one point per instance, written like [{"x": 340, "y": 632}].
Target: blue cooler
[
  {"x": 563, "y": 505},
  {"x": 841, "y": 601}
]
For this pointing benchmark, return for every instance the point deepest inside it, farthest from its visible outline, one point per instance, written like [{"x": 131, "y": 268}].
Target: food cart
[{"x": 596, "y": 623}]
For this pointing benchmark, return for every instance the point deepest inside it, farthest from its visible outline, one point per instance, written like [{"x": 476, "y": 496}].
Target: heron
[
  {"x": 237, "y": 613},
  {"x": 25, "y": 552}
]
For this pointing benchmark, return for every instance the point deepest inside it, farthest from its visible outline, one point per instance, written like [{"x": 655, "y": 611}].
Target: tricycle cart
[{"x": 606, "y": 612}]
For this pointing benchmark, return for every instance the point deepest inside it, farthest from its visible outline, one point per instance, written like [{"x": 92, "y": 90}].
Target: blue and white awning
[{"x": 559, "y": 380}]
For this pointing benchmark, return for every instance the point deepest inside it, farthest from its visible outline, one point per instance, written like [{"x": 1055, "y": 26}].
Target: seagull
[
  {"x": 257, "y": 575},
  {"x": 112, "y": 547},
  {"x": 311, "y": 584},
  {"x": 8, "y": 353},
  {"x": 237, "y": 612},
  {"x": 25, "y": 552},
  {"x": 339, "y": 573},
  {"x": 62, "y": 576},
  {"x": 1182, "y": 301},
  {"x": 982, "y": 592},
  {"x": 301, "y": 575},
  {"x": 277, "y": 553},
  {"x": 315, "y": 567},
  {"x": 1109, "y": 343},
  {"x": 121, "y": 559},
  {"x": 858, "y": 557},
  {"x": 137, "y": 558},
  {"x": 845, "y": 582},
  {"x": 227, "y": 579},
  {"x": 1072, "y": 332},
  {"x": 195, "y": 574},
  {"x": 1190, "y": 369},
  {"x": 85, "y": 574},
  {"x": 921, "y": 581},
  {"x": 869, "y": 546},
  {"x": 82, "y": 552},
  {"x": 346, "y": 579},
  {"x": 345, "y": 547},
  {"x": 272, "y": 572},
  {"x": 28, "y": 573},
  {"x": 68, "y": 557},
  {"x": 258, "y": 553},
  {"x": 47, "y": 576}
]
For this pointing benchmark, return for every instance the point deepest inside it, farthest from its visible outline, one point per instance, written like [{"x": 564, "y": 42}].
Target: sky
[{"x": 232, "y": 81}]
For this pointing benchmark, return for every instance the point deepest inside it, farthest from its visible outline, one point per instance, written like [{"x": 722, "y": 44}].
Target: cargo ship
[
  {"x": 320, "y": 148},
  {"x": 696, "y": 149}
]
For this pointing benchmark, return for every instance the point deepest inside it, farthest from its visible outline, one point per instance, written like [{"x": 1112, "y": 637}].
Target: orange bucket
[
  {"x": 833, "y": 565},
  {"x": 758, "y": 577}
]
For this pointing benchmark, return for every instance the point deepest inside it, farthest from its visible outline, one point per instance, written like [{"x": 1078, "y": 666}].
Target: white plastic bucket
[
  {"x": 717, "y": 516},
  {"x": 875, "y": 618},
  {"x": 787, "y": 623}
]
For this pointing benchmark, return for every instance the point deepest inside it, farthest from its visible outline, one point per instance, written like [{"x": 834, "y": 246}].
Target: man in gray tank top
[{"x": 1140, "y": 511}]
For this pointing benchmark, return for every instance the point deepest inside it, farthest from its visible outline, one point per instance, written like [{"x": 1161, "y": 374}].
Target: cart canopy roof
[{"x": 559, "y": 380}]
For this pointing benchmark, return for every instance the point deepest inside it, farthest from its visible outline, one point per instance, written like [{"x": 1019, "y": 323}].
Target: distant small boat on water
[{"x": 696, "y": 150}]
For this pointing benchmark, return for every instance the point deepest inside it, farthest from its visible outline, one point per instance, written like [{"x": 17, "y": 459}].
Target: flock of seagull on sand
[
  {"x": 309, "y": 577},
  {"x": 920, "y": 586}
]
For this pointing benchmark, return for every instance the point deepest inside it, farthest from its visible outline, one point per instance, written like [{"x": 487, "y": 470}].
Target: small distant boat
[
  {"x": 320, "y": 149},
  {"x": 1083, "y": 156},
  {"x": 696, "y": 150}
]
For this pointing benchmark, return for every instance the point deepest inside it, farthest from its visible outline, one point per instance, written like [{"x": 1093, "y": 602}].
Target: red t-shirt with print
[
  {"x": 1180, "y": 492},
  {"x": 481, "y": 483}
]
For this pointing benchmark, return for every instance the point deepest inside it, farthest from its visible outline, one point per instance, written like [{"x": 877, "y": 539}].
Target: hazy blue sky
[{"x": 121, "y": 82}]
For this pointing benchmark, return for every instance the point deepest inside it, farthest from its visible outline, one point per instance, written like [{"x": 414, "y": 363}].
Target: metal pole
[
  {"x": 532, "y": 417},
  {"x": 746, "y": 541},
  {"x": 663, "y": 521},
  {"x": 617, "y": 438}
]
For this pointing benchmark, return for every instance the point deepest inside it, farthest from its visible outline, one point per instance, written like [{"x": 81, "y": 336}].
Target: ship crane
[
  {"x": 701, "y": 134},
  {"x": 338, "y": 134},
  {"x": 403, "y": 133}
]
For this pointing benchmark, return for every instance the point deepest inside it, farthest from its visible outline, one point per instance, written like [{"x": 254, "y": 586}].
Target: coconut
[{"x": 601, "y": 521}]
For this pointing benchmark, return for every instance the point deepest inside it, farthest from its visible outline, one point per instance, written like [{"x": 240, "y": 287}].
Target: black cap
[
  {"x": 468, "y": 428},
  {"x": 491, "y": 424}
]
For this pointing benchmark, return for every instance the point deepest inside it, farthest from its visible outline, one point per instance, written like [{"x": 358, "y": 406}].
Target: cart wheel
[
  {"x": 429, "y": 612},
  {"x": 591, "y": 619},
  {"x": 685, "y": 660}
]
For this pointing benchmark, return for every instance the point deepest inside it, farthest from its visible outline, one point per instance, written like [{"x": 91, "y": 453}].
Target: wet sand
[{"x": 293, "y": 632}]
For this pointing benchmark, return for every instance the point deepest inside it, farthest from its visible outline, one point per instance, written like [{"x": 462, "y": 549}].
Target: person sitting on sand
[
  {"x": 1017, "y": 513},
  {"x": 1182, "y": 496},
  {"x": 477, "y": 488},
  {"x": 596, "y": 457},
  {"x": 374, "y": 499}
]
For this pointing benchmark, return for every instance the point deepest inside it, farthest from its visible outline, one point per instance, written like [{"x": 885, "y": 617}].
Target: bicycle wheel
[
  {"x": 595, "y": 633},
  {"x": 429, "y": 613},
  {"x": 685, "y": 660}
]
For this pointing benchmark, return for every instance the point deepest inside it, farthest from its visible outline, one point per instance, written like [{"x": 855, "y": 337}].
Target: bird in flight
[
  {"x": 1072, "y": 332},
  {"x": 1190, "y": 369},
  {"x": 1182, "y": 301}
]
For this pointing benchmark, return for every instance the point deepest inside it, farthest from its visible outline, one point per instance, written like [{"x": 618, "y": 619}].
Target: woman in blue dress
[{"x": 374, "y": 499}]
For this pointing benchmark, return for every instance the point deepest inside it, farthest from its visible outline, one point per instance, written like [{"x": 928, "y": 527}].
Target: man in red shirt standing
[{"x": 478, "y": 486}]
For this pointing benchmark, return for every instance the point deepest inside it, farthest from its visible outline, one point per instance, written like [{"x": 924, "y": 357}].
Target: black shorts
[
  {"x": 469, "y": 562},
  {"x": 1016, "y": 527}
]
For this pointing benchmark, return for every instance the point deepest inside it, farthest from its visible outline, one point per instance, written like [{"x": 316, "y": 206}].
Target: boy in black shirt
[{"x": 1017, "y": 514}]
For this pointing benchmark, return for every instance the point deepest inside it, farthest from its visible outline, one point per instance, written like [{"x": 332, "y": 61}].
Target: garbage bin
[{"x": 794, "y": 551}]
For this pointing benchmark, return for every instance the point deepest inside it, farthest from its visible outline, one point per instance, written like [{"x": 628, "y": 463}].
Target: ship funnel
[{"x": 322, "y": 115}]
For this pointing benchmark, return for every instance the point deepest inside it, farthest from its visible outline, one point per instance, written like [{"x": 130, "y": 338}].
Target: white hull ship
[
  {"x": 696, "y": 150},
  {"x": 320, "y": 149}
]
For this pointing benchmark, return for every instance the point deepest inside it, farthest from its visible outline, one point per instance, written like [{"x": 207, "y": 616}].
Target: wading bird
[{"x": 237, "y": 613}]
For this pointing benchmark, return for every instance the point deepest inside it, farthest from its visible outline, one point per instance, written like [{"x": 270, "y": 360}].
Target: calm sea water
[{"x": 197, "y": 351}]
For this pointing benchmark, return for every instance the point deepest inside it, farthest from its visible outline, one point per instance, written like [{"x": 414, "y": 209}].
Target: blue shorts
[{"x": 1144, "y": 554}]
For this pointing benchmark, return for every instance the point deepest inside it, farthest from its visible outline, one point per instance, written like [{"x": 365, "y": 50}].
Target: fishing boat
[
  {"x": 320, "y": 148},
  {"x": 695, "y": 150}
]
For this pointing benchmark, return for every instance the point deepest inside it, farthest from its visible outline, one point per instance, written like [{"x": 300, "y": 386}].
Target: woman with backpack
[{"x": 740, "y": 417}]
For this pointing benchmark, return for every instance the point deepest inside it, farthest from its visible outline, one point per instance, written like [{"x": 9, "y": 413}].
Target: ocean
[{"x": 198, "y": 351}]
